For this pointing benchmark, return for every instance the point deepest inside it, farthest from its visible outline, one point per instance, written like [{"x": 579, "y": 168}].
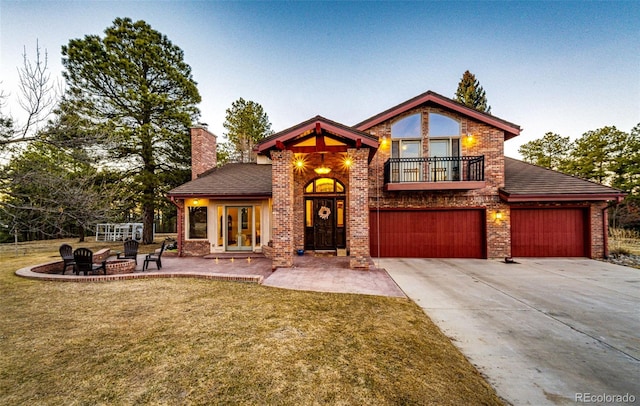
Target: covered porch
[{"x": 320, "y": 191}]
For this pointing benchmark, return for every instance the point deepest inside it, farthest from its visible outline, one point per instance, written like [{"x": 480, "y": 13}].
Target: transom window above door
[{"x": 324, "y": 185}]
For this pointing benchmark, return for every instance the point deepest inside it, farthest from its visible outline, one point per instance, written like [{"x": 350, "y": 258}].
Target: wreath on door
[{"x": 324, "y": 213}]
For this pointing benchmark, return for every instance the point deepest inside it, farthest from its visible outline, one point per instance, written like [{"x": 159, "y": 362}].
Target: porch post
[
  {"x": 282, "y": 194},
  {"x": 359, "y": 209},
  {"x": 180, "y": 220}
]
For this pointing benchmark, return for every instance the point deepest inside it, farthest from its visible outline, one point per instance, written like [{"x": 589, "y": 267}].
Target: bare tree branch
[{"x": 39, "y": 95}]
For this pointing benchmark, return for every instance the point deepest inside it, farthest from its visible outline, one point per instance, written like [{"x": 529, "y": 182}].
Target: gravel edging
[{"x": 630, "y": 260}]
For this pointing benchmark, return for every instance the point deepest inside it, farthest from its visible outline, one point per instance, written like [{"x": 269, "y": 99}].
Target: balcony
[{"x": 434, "y": 173}]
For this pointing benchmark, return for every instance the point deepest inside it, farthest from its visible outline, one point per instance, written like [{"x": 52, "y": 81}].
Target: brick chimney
[{"x": 203, "y": 150}]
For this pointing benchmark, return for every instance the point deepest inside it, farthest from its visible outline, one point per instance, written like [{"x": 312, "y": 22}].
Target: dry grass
[
  {"x": 181, "y": 341},
  {"x": 623, "y": 241}
]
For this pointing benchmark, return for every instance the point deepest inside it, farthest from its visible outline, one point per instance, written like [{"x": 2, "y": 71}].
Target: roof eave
[
  {"x": 564, "y": 197},
  {"x": 252, "y": 196},
  {"x": 347, "y": 132}
]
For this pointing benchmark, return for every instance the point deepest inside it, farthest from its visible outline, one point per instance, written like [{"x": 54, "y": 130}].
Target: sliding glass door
[{"x": 239, "y": 227}]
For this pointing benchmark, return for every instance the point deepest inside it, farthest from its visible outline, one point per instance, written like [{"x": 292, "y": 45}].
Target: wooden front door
[
  {"x": 325, "y": 214},
  {"x": 324, "y": 228}
]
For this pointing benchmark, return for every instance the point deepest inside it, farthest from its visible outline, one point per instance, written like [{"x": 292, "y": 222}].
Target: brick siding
[
  {"x": 283, "y": 204},
  {"x": 203, "y": 151},
  {"x": 599, "y": 228},
  {"x": 302, "y": 177},
  {"x": 358, "y": 204},
  {"x": 487, "y": 141},
  {"x": 196, "y": 248}
]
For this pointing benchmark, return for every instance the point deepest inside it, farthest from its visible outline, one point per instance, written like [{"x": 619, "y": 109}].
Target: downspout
[{"x": 180, "y": 224}]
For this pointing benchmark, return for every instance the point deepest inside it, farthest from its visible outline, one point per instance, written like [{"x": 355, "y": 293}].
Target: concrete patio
[{"x": 310, "y": 273}]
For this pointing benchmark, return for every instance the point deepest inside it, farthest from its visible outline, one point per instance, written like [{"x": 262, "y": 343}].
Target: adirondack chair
[
  {"x": 130, "y": 250},
  {"x": 66, "y": 252},
  {"x": 157, "y": 258},
  {"x": 84, "y": 262}
]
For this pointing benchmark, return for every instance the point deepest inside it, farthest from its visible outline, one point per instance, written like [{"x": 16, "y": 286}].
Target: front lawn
[{"x": 191, "y": 341}]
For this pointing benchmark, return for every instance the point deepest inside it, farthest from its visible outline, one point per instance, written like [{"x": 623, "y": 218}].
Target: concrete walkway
[
  {"x": 332, "y": 274},
  {"x": 543, "y": 331},
  {"x": 319, "y": 274}
]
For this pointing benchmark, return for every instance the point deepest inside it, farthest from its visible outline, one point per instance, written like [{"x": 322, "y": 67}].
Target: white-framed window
[
  {"x": 444, "y": 148},
  {"x": 406, "y": 137},
  {"x": 406, "y": 143},
  {"x": 197, "y": 217}
]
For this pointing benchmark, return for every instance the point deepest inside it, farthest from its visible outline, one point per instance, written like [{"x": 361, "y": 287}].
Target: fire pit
[{"x": 120, "y": 266}]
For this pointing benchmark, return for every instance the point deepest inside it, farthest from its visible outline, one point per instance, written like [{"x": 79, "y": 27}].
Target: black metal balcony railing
[{"x": 434, "y": 169}]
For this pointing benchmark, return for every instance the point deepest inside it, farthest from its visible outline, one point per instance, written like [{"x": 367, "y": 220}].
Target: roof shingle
[
  {"x": 527, "y": 181},
  {"x": 523, "y": 182},
  {"x": 230, "y": 180}
]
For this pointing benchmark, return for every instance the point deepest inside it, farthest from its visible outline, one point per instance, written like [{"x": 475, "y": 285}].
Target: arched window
[
  {"x": 408, "y": 127},
  {"x": 443, "y": 126},
  {"x": 406, "y": 137},
  {"x": 324, "y": 185}
]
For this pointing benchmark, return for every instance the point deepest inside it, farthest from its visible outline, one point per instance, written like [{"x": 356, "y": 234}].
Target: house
[{"x": 425, "y": 178}]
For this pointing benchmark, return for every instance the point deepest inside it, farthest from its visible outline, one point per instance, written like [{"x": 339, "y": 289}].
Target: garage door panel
[
  {"x": 428, "y": 233},
  {"x": 553, "y": 232}
]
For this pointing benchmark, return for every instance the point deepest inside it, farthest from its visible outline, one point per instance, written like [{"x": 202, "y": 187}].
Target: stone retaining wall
[{"x": 116, "y": 267}]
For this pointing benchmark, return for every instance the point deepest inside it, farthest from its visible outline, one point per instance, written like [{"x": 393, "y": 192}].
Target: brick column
[
  {"x": 498, "y": 230},
  {"x": 359, "y": 209},
  {"x": 598, "y": 220},
  {"x": 180, "y": 223},
  {"x": 282, "y": 227}
]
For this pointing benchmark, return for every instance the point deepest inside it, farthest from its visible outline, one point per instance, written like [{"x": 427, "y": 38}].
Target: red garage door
[
  {"x": 557, "y": 232},
  {"x": 428, "y": 233}
]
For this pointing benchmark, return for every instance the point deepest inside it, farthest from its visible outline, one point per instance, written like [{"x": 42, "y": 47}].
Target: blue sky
[{"x": 560, "y": 66}]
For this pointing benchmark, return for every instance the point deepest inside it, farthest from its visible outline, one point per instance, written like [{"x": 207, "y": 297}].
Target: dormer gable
[
  {"x": 319, "y": 134},
  {"x": 510, "y": 130}
]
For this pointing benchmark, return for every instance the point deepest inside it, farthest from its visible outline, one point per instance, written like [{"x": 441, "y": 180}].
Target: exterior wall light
[
  {"x": 468, "y": 138},
  {"x": 299, "y": 163},
  {"x": 347, "y": 162},
  {"x": 195, "y": 202},
  {"x": 498, "y": 215}
]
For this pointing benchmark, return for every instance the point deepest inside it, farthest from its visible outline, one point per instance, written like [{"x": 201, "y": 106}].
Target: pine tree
[
  {"x": 136, "y": 94},
  {"x": 471, "y": 94},
  {"x": 247, "y": 124}
]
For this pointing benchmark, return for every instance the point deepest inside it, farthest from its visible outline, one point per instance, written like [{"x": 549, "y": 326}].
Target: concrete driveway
[{"x": 543, "y": 331}]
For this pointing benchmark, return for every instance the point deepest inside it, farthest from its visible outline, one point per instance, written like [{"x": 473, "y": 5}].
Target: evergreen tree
[
  {"x": 551, "y": 151},
  {"x": 471, "y": 94},
  {"x": 247, "y": 124},
  {"x": 601, "y": 156},
  {"x": 53, "y": 192},
  {"x": 135, "y": 95}
]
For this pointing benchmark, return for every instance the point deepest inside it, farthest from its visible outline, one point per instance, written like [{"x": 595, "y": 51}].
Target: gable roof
[
  {"x": 524, "y": 182},
  {"x": 233, "y": 180},
  {"x": 510, "y": 130},
  {"x": 318, "y": 125}
]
